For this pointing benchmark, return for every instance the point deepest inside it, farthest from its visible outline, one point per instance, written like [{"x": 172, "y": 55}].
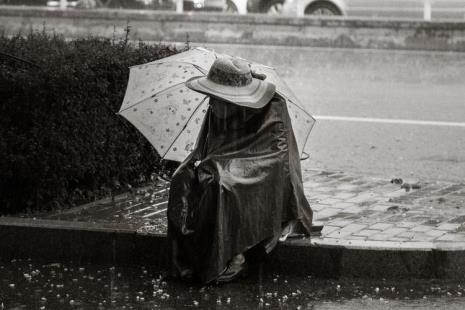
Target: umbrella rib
[
  {"x": 199, "y": 68},
  {"x": 152, "y": 96},
  {"x": 306, "y": 139},
  {"x": 308, "y": 134},
  {"x": 171, "y": 61},
  {"x": 295, "y": 104},
  {"x": 182, "y": 130},
  {"x": 160, "y": 62}
]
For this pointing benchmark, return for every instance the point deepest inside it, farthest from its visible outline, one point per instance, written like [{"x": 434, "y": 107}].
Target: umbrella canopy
[{"x": 169, "y": 114}]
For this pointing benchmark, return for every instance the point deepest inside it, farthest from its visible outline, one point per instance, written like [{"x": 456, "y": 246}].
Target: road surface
[
  {"x": 380, "y": 112},
  {"x": 30, "y": 284}
]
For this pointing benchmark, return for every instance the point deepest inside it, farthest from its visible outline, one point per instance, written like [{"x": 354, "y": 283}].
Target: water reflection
[{"x": 26, "y": 284}]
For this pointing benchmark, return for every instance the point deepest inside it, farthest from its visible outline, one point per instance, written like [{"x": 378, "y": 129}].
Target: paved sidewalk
[
  {"x": 371, "y": 213},
  {"x": 357, "y": 212},
  {"x": 372, "y": 228}
]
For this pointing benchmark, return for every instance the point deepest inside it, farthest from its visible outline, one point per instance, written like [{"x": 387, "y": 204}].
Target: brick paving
[{"x": 358, "y": 212}]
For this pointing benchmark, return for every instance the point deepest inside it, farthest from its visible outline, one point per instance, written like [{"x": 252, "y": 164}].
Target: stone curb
[{"x": 116, "y": 244}]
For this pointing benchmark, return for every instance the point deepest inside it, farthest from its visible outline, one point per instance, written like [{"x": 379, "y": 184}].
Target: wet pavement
[
  {"x": 358, "y": 212},
  {"x": 27, "y": 284},
  {"x": 374, "y": 228}
]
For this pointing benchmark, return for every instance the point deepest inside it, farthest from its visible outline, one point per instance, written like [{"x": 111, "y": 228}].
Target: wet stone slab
[
  {"x": 354, "y": 209},
  {"x": 143, "y": 208}
]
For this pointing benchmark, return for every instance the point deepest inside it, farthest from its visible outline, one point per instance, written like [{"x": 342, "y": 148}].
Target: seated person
[{"x": 242, "y": 184}]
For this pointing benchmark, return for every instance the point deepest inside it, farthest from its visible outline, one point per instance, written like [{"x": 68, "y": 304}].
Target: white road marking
[
  {"x": 154, "y": 213},
  {"x": 388, "y": 121}
]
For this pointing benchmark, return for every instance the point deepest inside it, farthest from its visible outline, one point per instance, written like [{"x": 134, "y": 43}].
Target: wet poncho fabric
[{"x": 236, "y": 190}]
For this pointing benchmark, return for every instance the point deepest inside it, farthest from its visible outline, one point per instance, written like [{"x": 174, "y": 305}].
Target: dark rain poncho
[{"x": 238, "y": 188}]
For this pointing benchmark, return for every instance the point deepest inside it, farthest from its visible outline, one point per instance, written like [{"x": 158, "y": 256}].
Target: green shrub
[{"x": 61, "y": 140}]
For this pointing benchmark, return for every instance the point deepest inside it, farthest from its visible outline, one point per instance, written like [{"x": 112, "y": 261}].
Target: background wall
[{"x": 235, "y": 29}]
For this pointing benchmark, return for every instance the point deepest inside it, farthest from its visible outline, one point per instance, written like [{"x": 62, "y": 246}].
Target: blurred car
[
  {"x": 115, "y": 4},
  {"x": 210, "y": 5},
  {"x": 411, "y": 9},
  {"x": 56, "y": 3},
  {"x": 265, "y": 6},
  {"x": 235, "y": 6}
]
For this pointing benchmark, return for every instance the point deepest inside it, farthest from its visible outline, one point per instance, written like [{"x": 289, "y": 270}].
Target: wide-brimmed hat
[{"x": 231, "y": 79}]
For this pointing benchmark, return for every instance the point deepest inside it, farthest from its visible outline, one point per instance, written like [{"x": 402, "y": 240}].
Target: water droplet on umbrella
[
  {"x": 134, "y": 110},
  {"x": 175, "y": 149},
  {"x": 156, "y": 100}
]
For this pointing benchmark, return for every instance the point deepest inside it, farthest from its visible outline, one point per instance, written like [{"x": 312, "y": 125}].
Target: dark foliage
[{"x": 61, "y": 139}]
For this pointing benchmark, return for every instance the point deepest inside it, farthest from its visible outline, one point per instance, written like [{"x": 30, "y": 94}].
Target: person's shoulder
[
  {"x": 277, "y": 98},
  {"x": 277, "y": 102}
]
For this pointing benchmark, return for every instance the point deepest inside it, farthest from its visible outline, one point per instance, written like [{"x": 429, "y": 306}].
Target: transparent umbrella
[{"x": 169, "y": 114}]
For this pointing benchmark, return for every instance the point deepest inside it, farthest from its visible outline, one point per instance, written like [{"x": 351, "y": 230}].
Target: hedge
[{"x": 61, "y": 140}]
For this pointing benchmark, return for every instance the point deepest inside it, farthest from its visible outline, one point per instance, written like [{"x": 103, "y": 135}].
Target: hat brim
[{"x": 255, "y": 95}]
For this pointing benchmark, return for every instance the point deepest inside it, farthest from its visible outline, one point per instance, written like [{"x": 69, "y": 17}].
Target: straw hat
[{"x": 231, "y": 79}]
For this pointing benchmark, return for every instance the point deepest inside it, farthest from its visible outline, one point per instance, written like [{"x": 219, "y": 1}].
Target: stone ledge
[
  {"x": 250, "y": 29},
  {"x": 170, "y": 16}
]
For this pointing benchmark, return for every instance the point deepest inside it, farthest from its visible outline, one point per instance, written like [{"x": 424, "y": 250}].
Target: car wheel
[
  {"x": 322, "y": 8},
  {"x": 230, "y": 7}
]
